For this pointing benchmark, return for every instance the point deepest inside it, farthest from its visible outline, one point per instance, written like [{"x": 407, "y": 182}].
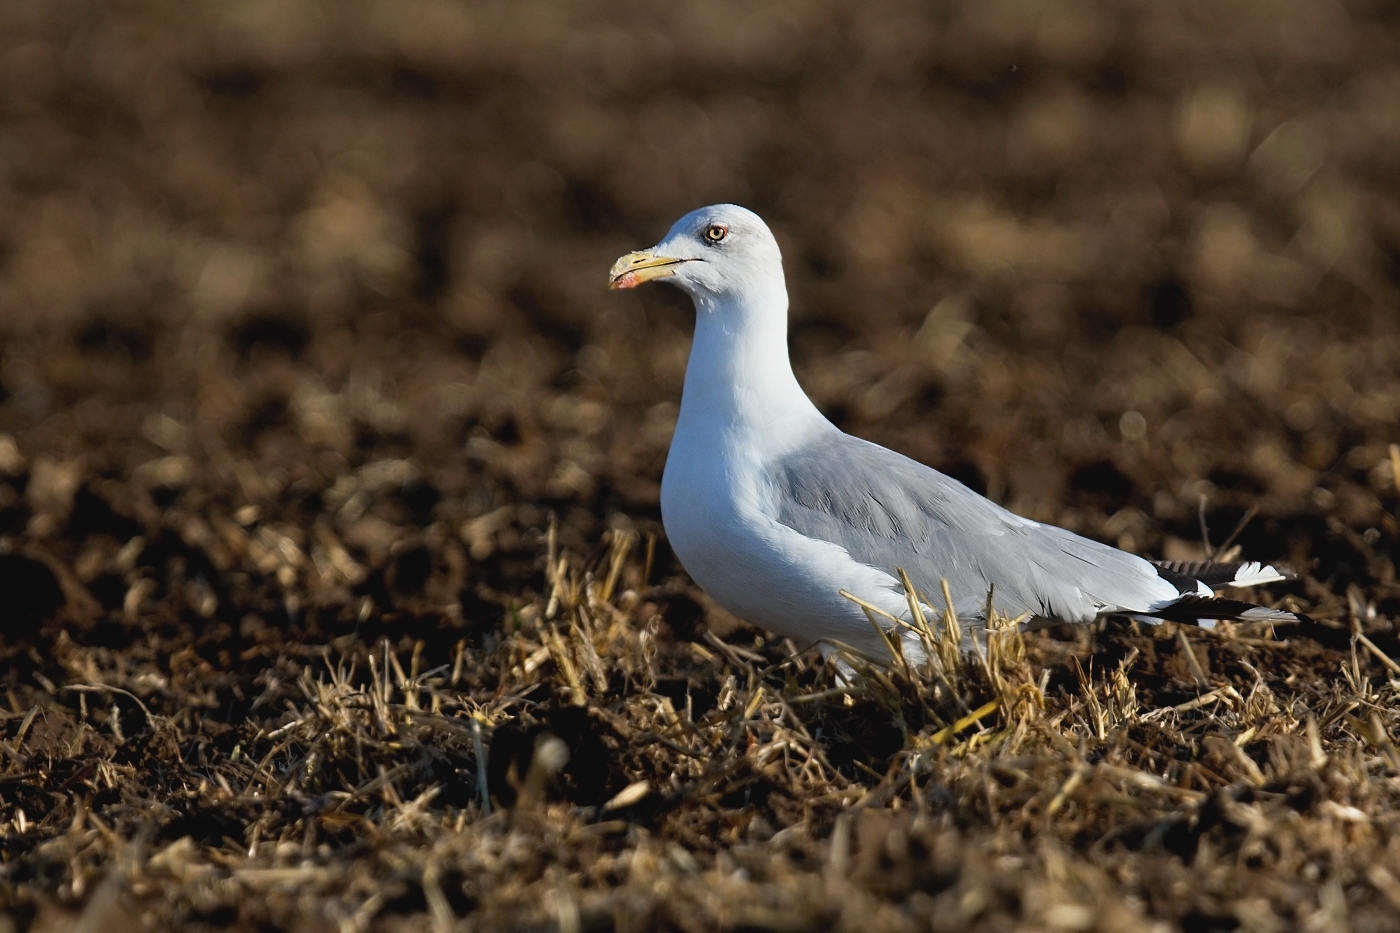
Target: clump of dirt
[{"x": 336, "y": 594}]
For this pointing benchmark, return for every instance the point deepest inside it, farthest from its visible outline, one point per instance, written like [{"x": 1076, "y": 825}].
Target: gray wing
[{"x": 889, "y": 511}]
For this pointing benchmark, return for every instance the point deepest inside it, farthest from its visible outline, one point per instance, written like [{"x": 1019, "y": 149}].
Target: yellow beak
[{"x": 642, "y": 266}]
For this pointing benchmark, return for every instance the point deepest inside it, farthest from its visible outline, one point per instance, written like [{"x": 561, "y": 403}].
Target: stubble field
[{"x": 335, "y": 594}]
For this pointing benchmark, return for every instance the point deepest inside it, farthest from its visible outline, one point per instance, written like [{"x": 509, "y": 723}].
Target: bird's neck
[{"x": 739, "y": 384}]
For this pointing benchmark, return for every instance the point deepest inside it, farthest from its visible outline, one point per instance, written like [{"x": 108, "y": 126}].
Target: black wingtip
[
  {"x": 1219, "y": 574},
  {"x": 1191, "y": 608}
]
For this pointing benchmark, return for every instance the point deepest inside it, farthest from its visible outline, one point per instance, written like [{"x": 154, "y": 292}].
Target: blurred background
[{"x": 309, "y": 297}]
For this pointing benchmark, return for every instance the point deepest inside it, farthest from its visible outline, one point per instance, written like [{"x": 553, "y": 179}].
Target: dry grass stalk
[{"x": 360, "y": 780}]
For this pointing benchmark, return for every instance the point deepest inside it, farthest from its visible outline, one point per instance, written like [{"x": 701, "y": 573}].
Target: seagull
[{"x": 774, "y": 511}]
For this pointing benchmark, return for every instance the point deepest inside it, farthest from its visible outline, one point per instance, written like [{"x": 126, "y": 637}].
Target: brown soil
[{"x": 306, "y": 350}]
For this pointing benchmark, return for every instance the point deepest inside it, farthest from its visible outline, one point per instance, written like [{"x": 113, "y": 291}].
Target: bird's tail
[{"x": 1198, "y": 580}]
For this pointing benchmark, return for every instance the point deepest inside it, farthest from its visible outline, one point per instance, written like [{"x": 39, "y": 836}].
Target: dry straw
[{"x": 584, "y": 771}]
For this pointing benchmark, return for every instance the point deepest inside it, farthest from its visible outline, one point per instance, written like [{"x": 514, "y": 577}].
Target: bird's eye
[{"x": 716, "y": 232}]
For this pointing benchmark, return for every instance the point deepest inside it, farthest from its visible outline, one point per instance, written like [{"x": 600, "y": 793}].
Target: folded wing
[{"x": 889, "y": 511}]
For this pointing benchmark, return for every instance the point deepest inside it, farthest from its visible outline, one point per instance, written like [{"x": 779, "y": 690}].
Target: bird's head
[{"x": 714, "y": 254}]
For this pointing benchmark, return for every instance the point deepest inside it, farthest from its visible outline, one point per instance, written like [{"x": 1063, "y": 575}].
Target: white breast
[{"x": 720, "y": 519}]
